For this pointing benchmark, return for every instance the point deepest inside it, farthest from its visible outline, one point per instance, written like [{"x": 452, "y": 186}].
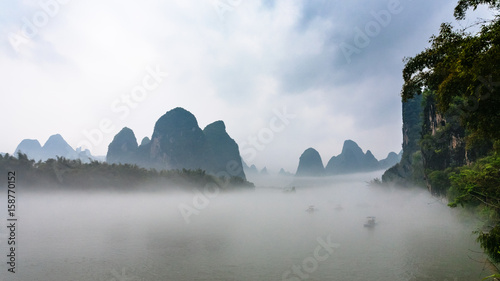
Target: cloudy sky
[{"x": 282, "y": 75}]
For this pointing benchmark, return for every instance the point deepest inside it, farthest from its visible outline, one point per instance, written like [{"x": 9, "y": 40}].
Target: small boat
[
  {"x": 370, "y": 222},
  {"x": 289, "y": 190},
  {"x": 311, "y": 209}
]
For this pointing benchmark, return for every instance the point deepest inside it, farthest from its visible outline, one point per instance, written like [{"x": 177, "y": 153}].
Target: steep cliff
[
  {"x": 433, "y": 144},
  {"x": 409, "y": 170},
  {"x": 179, "y": 143},
  {"x": 123, "y": 148},
  {"x": 310, "y": 164},
  {"x": 224, "y": 156},
  {"x": 460, "y": 138}
]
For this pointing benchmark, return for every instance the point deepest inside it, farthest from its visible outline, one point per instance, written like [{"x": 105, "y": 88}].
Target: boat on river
[
  {"x": 311, "y": 209},
  {"x": 370, "y": 222}
]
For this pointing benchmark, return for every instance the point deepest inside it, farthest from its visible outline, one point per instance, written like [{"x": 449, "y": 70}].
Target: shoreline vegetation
[
  {"x": 65, "y": 174},
  {"x": 451, "y": 121}
]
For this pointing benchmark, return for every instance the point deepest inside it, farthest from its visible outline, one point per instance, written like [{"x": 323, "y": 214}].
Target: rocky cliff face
[
  {"x": 310, "y": 164},
  {"x": 409, "y": 168},
  {"x": 123, "y": 148},
  {"x": 412, "y": 126},
  {"x": 223, "y": 151},
  {"x": 443, "y": 142},
  {"x": 179, "y": 143},
  {"x": 432, "y": 143}
]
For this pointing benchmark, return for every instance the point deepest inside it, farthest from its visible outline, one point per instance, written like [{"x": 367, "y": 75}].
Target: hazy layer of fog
[{"x": 258, "y": 235}]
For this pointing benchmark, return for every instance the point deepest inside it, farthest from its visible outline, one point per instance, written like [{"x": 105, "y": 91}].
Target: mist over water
[{"x": 256, "y": 235}]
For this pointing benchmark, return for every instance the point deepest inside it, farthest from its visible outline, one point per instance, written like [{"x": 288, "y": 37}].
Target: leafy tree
[
  {"x": 459, "y": 75},
  {"x": 73, "y": 174},
  {"x": 464, "y": 5},
  {"x": 478, "y": 186},
  {"x": 464, "y": 65}
]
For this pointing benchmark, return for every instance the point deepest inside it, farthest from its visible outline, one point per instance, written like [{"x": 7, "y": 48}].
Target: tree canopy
[
  {"x": 459, "y": 76},
  {"x": 462, "y": 65}
]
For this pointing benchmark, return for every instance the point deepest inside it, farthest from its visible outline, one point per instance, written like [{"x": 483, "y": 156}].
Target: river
[{"x": 259, "y": 235}]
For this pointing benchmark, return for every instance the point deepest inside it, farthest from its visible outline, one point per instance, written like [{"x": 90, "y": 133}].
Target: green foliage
[
  {"x": 459, "y": 79},
  {"x": 441, "y": 143},
  {"x": 440, "y": 181},
  {"x": 463, "y": 5},
  {"x": 478, "y": 184},
  {"x": 418, "y": 176},
  {"x": 461, "y": 65},
  {"x": 490, "y": 242},
  {"x": 492, "y": 276},
  {"x": 73, "y": 174}
]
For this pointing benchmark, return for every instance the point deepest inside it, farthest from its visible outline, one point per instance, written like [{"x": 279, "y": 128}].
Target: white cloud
[{"x": 239, "y": 68}]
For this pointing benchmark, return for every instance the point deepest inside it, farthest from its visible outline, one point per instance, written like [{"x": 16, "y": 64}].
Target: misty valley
[
  {"x": 333, "y": 140},
  {"x": 184, "y": 205},
  {"x": 257, "y": 234}
]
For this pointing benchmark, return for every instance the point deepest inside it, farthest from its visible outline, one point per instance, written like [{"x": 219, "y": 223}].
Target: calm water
[{"x": 261, "y": 235}]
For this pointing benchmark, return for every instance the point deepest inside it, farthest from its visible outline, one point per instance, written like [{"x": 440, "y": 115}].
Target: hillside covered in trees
[
  {"x": 65, "y": 174},
  {"x": 451, "y": 120}
]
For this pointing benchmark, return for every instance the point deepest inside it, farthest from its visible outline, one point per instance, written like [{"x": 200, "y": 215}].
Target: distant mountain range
[
  {"x": 178, "y": 142},
  {"x": 54, "y": 147},
  {"x": 253, "y": 171},
  {"x": 352, "y": 159}
]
